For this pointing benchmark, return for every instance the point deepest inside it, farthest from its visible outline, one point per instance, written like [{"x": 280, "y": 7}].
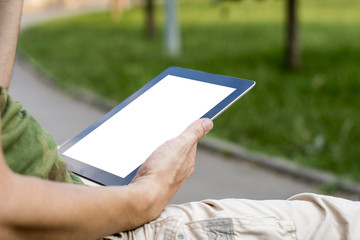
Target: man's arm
[
  {"x": 32, "y": 208},
  {"x": 10, "y": 15}
]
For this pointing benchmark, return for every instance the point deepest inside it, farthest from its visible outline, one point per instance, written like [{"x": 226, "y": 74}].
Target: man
[
  {"x": 64, "y": 211},
  {"x": 34, "y": 208}
]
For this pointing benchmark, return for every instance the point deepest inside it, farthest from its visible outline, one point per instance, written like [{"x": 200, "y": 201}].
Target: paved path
[{"x": 216, "y": 176}]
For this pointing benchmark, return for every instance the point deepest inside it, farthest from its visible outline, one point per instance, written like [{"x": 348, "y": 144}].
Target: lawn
[{"x": 310, "y": 116}]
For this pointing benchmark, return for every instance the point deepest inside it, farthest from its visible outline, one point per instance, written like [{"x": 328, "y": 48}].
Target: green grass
[{"x": 310, "y": 116}]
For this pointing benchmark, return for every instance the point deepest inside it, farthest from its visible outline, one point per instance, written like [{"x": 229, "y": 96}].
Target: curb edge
[{"x": 279, "y": 164}]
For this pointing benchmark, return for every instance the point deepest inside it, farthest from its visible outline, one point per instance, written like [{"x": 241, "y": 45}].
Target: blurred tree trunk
[
  {"x": 117, "y": 8},
  {"x": 172, "y": 30},
  {"x": 292, "y": 45},
  {"x": 150, "y": 28},
  {"x": 59, "y": 3}
]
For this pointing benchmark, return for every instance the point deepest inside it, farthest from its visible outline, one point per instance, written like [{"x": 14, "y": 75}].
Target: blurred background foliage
[{"x": 310, "y": 116}]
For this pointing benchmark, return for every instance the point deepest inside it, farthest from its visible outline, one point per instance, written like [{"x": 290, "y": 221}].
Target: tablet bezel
[{"x": 102, "y": 177}]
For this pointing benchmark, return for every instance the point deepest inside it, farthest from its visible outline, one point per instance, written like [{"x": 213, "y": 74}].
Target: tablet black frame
[{"x": 102, "y": 177}]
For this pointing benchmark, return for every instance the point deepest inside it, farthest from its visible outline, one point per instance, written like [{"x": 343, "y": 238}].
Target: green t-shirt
[{"x": 29, "y": 149}]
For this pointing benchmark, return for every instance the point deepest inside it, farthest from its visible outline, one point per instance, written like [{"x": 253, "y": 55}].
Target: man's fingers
[{"x": 197, "y": 130}]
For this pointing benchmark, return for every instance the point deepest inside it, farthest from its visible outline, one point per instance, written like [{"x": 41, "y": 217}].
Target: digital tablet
[{"x": 110, "y": 151}]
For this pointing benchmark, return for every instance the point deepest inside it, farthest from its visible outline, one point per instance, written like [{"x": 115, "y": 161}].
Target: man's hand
[
  {"x": 23, "y": 214},
  {"x": 172, "y": 163}
]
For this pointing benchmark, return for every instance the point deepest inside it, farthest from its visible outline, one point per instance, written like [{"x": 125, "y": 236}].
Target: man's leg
[{"x": 305, "y": 216}]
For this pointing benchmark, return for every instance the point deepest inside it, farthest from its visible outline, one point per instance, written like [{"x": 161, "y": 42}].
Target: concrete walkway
[{"x": 216, "y": 176}]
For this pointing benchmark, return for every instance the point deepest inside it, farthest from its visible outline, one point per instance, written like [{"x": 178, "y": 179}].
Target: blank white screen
[{"x": 126, "y": 140}]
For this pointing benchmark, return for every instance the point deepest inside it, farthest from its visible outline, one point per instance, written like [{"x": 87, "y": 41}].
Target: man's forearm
[
  {"x": 10, "y": 15},
  {"x": 41, "y": 209},
  {"x": 36, "y": 209}
]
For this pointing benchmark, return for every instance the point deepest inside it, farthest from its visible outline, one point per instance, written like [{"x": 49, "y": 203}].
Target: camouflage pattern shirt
[{"x": 29, "y": 149}]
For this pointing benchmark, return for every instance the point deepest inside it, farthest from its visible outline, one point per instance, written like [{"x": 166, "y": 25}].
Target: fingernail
[{"x": 207, "y": 125}]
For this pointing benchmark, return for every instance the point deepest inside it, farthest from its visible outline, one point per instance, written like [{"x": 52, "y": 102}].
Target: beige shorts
[{"x": 304, "y": 216}]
